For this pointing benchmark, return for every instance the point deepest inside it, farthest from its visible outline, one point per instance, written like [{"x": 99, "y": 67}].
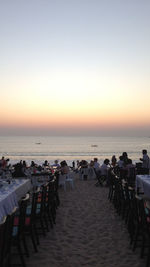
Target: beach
[{"x": 88, "y": 232}]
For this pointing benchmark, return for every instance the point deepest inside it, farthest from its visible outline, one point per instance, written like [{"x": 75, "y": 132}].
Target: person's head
[
  {"x": 95, "y": 159},
  {"x": 56, "y": 161},
  {"x": 129, "y": 161},
  {"x": 144, "y": 151},
  {"x": 124, "y": 154},
  {"x": 121, "y": 158},
  {"x": 63, "y": 163},
  {"x": 113, "y": 158},
  {"x": 24, "y": 163},
  {"x": 106, "y": 161},
  {"x": 91, "y": 163}
]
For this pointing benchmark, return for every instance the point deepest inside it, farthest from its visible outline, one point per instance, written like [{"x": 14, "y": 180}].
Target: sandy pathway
[{"x": 88, "y": 233}]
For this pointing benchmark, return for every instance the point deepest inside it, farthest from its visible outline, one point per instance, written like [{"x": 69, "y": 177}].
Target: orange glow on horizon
[{"x": 73, "y": 120}]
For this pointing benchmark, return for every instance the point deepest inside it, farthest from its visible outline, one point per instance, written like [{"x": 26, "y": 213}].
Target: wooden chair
[
  {"x": 145, "y": 220},
  {"x": 138, "y": 222},
  {"x": 6, "y": 227},
  {"x": 39, "y": 211},
  {"x": 131, "y": 176},
  {"x": 18, "y": 233}
]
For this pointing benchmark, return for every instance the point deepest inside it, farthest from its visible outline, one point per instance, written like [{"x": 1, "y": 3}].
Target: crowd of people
[
  {"x": 22, "y": 169},
  {"x": 86, "y": 169},
  {"x": 123, "y": 165}
]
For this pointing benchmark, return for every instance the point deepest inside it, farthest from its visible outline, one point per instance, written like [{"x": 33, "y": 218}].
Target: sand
[{"x": 88, "y": 232}]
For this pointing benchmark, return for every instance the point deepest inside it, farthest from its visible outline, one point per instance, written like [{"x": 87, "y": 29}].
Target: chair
[
  {"x": 138, "y": 222},
  {"x": 131, "y": 176},
  {"x": 30, "y": 223},
  {"x": 18, "y": 233},
  {"x": 112, "y": 178},
  {"x": 123, "y": 173},
  {"x": 132, "y": 216},
  {"x": 31, "y": 220},
  {"x": 56, "y": 184},
  {"x": 84, "y": 173},
  {"x": 62, "y": 181},
  {"x": 145, "y": 219},
  {"x": 2, "y": 239},
  {"x": 40, "y": 210},
  {"x": 6, "y": 226},
  {"x": 129, "y": 195},
  {"x": 91, "y": 173},
  {"x": 117, "y": 196},
  {"x": 69, "y": 180},
  {"x": 99, "y": 179},
  {"x": 52, "y": 201}
]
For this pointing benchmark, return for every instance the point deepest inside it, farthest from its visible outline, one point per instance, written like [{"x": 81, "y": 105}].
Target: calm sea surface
[{"x": 70, "y": 148}]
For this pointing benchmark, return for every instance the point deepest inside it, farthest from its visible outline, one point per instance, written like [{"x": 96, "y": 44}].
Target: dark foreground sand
[{"x": 88, "y": 232}]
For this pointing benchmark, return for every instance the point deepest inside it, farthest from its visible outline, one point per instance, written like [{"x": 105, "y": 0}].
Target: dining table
[
  {"x": 143, "y": 184},
  {"x": 11, "y": 193}
]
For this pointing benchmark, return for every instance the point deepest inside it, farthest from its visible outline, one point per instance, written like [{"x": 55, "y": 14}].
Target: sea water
[{"x": 69, "y": 148}]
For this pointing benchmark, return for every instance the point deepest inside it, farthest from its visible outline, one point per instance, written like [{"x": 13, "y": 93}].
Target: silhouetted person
[
  {"x": 145, "y": 162},
  {"x": 125, "y": 158}
]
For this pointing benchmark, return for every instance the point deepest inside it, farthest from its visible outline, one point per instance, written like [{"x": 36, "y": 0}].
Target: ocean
[{"x": 69, "y": 148}]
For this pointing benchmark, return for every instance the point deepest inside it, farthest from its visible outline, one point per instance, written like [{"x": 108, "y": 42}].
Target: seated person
[
  {"x": 84, "y": 169},
  {"x": 96, "y": 167},
  {"x": 96, "y": 164},
  {"x": 104, "y": 168},
  {"x": 131, "y": 174},
  {"x": 113, "y": 161},
  {"x": 33, "y": 164},
  {"x": 91, "y": 170},
  {"x": 104, "y": 171},
  {"x": 64, "y": 167},
  {"x": 56, "y": 164},
  {"x": 125, "y": 158},
  {"x": 45, "y": 164},
  {"x": 145, "y": 162},
  {"x": 120, "y": 162},
  {"x": 18, "y": 170}
]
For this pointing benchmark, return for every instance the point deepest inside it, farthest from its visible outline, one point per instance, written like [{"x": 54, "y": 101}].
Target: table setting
[
  {"x": 143, "y": 184},
  {"x": 11, "y": 193}
]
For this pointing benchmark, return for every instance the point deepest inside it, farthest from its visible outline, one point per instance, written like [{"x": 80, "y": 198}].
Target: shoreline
[{"x": 69, "y": 149}]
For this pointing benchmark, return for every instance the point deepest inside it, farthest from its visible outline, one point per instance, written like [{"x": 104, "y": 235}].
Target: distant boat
[
  {"x": 38, "y": 143},
  {"x": 94, "y": 145}
]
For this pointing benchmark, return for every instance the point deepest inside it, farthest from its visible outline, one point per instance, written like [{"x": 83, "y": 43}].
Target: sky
[{"x": 75, "y": 67}]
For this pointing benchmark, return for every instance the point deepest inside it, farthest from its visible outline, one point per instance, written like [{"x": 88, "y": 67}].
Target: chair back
[
  {"x": 35, "y": 199},
  {"x": 62, "y": 179},
  {"x": 6, "y": 228},
  {"x": 2, "y": 239},
  {"x": 131, "y": 176},
  {"x": 123, "y": 173},
  {"x": 19, "y": 220}
]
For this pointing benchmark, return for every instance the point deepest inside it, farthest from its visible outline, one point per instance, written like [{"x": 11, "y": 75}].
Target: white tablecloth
[
  {"x": 143, "y": 184},
  {"x": 11, "y": 194},
  {"x": 22, "y": 188}
]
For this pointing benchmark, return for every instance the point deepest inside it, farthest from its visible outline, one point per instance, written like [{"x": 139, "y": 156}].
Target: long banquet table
[
  {"x": 11, "y": 193},
  {"x": 143, "y": 184}
]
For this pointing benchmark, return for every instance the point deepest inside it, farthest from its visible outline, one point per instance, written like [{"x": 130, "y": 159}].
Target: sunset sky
[{"x": 75, "y": 67}]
